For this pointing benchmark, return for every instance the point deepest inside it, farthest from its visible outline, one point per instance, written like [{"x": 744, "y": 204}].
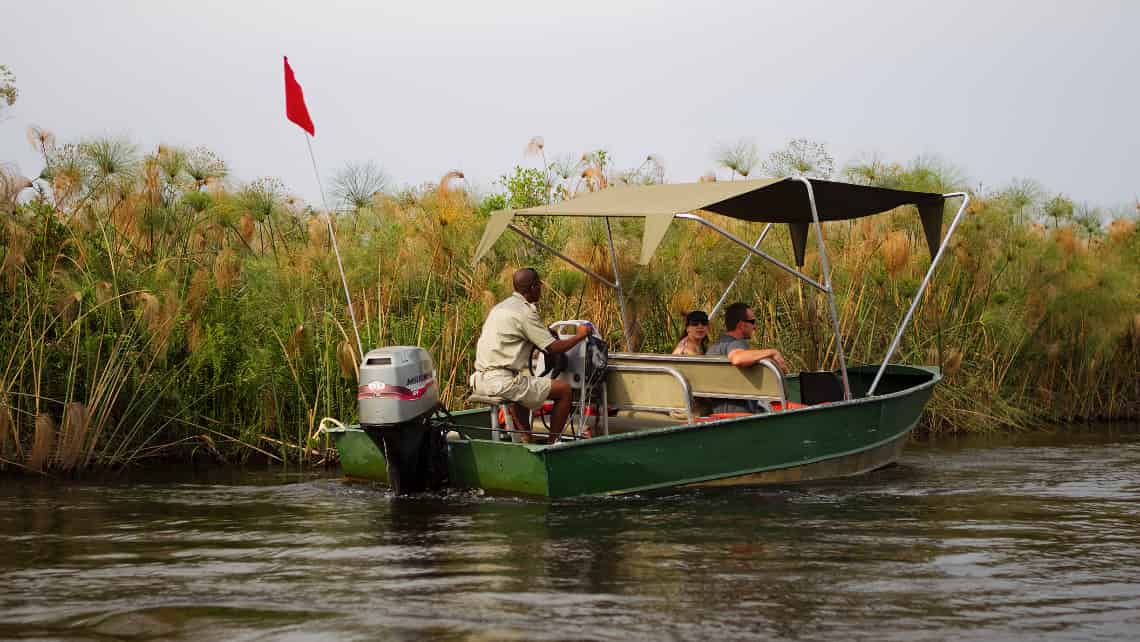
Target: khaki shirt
[{"x": 512, "y": 327}]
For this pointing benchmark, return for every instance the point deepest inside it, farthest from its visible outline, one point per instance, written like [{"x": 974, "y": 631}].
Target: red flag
[{"x": 295, "y": 109}]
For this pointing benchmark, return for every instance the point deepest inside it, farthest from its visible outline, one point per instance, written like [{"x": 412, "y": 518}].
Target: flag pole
[{"x": 336, "y": 250}]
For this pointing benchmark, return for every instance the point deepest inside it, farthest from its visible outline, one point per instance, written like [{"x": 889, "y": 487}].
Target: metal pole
[
  {"x": 336, "y": 251},
  {"x": 744, "y": 244},
  {"x": 617, "y": 286},
  {"x": 921, "y": 288},
  {"x": 743, "y": 265},
  {"x": 827, "y": 282},
  {"x": 518, "y": 230}
]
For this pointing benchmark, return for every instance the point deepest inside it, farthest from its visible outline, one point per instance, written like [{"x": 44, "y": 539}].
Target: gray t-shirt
[{"x": 725, "y": 344}]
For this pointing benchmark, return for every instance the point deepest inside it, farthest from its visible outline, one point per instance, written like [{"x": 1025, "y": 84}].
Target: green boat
[{"x": 641, "y": 411}]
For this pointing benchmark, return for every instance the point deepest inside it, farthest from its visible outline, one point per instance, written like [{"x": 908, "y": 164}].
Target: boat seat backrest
[
  {"x": 714, "y": 377},
  {"x": 660, "y": 390}
]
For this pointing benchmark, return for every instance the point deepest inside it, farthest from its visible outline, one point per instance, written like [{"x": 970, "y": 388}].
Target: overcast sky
[{"x": 1003, "y": 90}]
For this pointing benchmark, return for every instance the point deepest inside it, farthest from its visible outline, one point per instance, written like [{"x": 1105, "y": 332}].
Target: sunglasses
[
  {"x": 698, "y": 322},
  {"x": 752, "y": 320}
]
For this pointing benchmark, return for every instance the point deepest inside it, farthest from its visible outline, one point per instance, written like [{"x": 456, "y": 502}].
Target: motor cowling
[
  {"x": 397, "y": 395},
  {"x": 397, "y": 385}
]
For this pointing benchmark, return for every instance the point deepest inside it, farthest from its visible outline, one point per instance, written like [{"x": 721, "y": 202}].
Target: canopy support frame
[
  {"x": 921, "y": 288},
  {"x": 614, "y": 285},
  {"x": 760, "y": 253},
  {"x": 530, "y": 237},
  {"x": 823, "y": 264},
  {"x": 743, "y": 266},
  {"x": 617, "y": 286}
]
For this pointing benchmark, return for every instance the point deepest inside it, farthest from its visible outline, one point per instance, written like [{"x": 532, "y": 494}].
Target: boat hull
[{"x": 818, "y": 442}]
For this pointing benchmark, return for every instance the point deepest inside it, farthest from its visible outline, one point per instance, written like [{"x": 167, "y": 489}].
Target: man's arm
[
  {"x": 744, "y": 358},
  {"x": 562, "y": 345}
]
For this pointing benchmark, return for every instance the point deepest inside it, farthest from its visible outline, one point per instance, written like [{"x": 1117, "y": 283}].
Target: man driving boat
[{"x": 502, "y": 354}]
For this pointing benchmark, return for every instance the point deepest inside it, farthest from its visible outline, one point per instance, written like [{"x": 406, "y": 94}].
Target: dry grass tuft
[
  {"x": 104, "y": 292},
  {"x": 682, "y": 302},
  {"x": 43, "y": 445},
  {"x": 67, "y": 306},
  {"x": 7, "y": 427},
  {"x": 194, "y": 335},
  {"x": 65, "y": 184},
  {"x": 318, "y": 231},
  {"x": 126, "y": 218},
  {"x": 11, "y": 184},
  {"x": 487, "y": 298},
  {"x": 1120, "y": 229},
  {"x": 198, "y": 290},
  {"x": 296, "y": 342},
  {"x": 897, "y": 250},
  {"x": 227, "y": 269},
  {"x": 1053, "y": 351},
  {"x": 347, "y": 360},
  {"x": 150, "y": 309},
  {"x": 39, "y": 138},
  {"x": 708, "y": 177},
  {"x": 15, "y": 257},
  {"x": 12, "y": 267},
  {"x": 72, "y": 442},
  {"x": 247, "y": 226},
  {"x": 1066, "y": 240},
  {"x": 215, "y": 186},
  {"x": 152, "y": 179},
  {"x": 445, "y": 182},
  {"x": 953, "y": 362}
]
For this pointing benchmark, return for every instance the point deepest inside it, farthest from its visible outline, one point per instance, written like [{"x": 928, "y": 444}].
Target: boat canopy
[
  {"x": 764, "y": 201},
  {"x": 795, "y": 201}
]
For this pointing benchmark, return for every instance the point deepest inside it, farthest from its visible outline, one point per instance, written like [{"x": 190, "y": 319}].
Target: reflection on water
[{"x": 1030, "y": 540}]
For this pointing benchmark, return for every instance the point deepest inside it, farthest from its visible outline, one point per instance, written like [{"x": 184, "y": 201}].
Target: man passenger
[
  {"x": 740, "y": 325},
  {"x": 502, "y": 355}
]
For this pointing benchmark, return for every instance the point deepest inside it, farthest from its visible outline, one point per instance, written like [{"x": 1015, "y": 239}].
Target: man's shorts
[{"x": 520, "y": 388}]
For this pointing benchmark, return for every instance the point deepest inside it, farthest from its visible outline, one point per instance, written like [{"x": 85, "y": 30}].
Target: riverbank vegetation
[{"x": 156, "y": 307}]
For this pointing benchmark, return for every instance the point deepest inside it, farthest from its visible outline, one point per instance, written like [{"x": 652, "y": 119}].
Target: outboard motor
[{"x": 397, "y": 396}]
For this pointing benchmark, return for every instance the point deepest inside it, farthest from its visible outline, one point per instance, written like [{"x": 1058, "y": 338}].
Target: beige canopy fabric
[{"x": 767, "y": 200}]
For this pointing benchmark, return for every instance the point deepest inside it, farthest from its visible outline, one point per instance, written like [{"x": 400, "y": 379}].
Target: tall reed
[{"x": 157, "y": 311}]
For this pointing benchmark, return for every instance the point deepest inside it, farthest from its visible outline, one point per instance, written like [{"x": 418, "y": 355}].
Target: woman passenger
[{"x": 695, "y": 339}]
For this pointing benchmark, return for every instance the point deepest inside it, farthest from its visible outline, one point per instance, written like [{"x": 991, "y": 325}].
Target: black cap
[{"x": 696, "y": 316}]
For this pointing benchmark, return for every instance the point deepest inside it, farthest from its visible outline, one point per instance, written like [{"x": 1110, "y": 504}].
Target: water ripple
[{"x": 964, "y": 542}]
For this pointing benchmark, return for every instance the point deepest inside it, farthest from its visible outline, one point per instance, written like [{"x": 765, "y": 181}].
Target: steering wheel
[{"x": 555, "y": 363}]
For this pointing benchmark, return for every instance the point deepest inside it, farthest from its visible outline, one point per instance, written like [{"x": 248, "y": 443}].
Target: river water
[{"x": 1027, "y": 539}]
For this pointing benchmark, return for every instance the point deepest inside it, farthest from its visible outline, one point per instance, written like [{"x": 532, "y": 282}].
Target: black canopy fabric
[{"x": 786, "y": 202}]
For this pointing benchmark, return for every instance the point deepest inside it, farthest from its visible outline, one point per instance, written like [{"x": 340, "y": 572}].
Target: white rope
[{"x": 338, "y": 426}]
